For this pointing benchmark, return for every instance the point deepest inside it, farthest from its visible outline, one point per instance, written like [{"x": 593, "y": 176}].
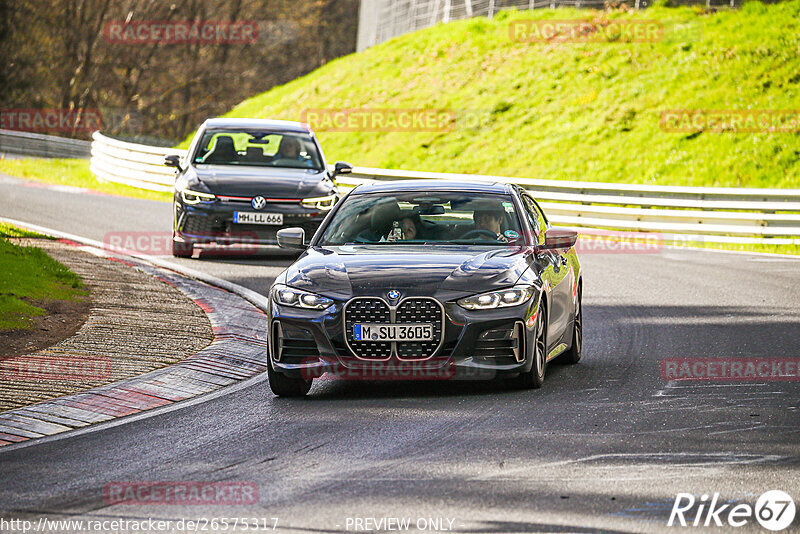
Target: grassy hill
[{"x": 566, "y": 110}]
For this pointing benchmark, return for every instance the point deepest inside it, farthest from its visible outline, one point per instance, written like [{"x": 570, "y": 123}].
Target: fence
[
  {"x": 132, "y": 164},
  {"x": 42, "y": 146},
  {"x": 685, "y": 214},
  {"x": 380, "y": 20}
]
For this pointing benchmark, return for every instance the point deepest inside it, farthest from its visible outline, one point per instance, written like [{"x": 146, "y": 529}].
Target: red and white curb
[{"x": 237, "y": 352}]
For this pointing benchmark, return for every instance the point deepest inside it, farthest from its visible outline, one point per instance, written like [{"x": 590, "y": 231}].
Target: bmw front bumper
[{"x": 476, "y": 344}]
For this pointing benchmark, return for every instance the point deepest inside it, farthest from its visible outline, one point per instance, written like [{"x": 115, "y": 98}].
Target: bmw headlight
[
  {"x": 289, "y": 296},
  {"x": 320, "y": 203},
  {"x": 504, "y": 298}
]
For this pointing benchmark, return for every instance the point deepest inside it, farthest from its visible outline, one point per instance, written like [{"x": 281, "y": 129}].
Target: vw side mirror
[
  {"x": 341, "y": 167},
  {"x": 173, "y": 161}
]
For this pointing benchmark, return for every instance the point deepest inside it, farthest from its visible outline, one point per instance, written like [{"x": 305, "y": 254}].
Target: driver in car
[
  {"x": 489, "y": 218},
  {"x": 288, "y": 154}
]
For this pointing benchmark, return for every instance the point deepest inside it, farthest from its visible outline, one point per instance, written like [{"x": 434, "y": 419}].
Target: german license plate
[
  {"x": 252, "y": 217},
  {"x": 392, "y": 332}
]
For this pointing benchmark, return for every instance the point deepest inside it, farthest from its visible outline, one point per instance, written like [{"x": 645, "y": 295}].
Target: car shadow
[
  {"x": 259, "y": 255},
  {"x": 624, "y": 347}
]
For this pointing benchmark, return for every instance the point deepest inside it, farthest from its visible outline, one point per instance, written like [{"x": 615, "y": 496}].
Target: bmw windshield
[
  {"x": 258, "y": 148},
  {"x": 424, "y": 217}
]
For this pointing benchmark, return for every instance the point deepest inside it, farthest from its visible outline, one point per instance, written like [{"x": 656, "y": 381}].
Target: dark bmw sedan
[
  {"x": 244, "y": 179},
  {"x": 426, "y": 280}
]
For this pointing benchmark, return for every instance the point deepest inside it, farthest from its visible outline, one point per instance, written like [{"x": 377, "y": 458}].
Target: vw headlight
[
  {"x": 195, "y": 197},
  {"x": 504, "y": 298},
  {"x": 190, "y": 196},
  {"x": 297, "y": 298},
  {"x": 320, "y": 203}
]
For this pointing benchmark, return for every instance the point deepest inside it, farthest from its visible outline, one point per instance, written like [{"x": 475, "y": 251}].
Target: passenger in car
[
  {"x": 411, "y": 226},
  {"x": 381, "y": 218}
]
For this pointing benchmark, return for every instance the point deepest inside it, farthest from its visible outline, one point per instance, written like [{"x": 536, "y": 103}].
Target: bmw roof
[
  {"x": 225, "y": 123},
  {"x": 433, "y": 185}
]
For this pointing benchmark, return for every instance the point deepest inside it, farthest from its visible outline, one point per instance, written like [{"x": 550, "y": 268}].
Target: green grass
[
  {"x": 28, "y": 278},
  {"x": 75, "y": 173},
  {"x": 570, "y": 111},
  {"x": 7, "y": 230}
]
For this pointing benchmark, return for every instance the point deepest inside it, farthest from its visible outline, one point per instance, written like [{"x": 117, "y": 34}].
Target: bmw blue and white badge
[
  {"x": 258, "y": 202},
  {"x": 393, "y": 294}
]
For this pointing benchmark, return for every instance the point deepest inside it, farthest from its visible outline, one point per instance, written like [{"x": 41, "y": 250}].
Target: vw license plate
[
  {"x": 252, "y": 217},
  {"x": 392, "y": 332}
]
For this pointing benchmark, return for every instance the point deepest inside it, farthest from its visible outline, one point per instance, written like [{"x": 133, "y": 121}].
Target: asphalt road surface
[{"x": 605, "y": 446}]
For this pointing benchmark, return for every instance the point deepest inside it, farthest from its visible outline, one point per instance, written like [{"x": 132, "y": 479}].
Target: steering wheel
[{"x": 480, "y": 232}]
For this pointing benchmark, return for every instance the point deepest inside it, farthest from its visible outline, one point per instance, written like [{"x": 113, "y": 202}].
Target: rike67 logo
[{"x": 774, "y": 510}]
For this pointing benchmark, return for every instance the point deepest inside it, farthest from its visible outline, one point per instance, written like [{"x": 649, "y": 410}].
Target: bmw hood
[
  {"x": 371, "y": 270},
  {"x": 269, "y": 182}
]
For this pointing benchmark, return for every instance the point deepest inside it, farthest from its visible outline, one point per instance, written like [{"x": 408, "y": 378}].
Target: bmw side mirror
[
  {"x": 341, "y": 167},
  {"x": 173, "y": 161},
  {"x": 292, "y": 238},
  {"x": 557, "y": 238}
]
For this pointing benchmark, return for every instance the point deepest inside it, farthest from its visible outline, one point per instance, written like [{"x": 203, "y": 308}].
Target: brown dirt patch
[{"x": 63, "y": 319}]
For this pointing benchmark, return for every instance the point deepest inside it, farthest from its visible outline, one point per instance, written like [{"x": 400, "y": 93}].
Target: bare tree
[{"x": 62, "y": 57}]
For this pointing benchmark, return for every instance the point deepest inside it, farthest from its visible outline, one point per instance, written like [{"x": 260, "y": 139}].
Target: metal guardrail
[
  {"x": 132, "y": 164},
  {"x": 381, "y": 20},
  {"x": 42, "y": 146},
  {"x": 682, "y": 214}
]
